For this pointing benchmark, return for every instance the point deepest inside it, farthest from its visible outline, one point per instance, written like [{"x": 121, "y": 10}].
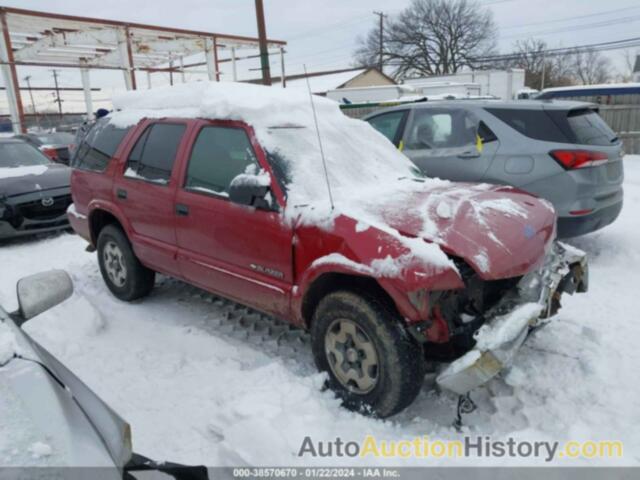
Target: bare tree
[
  {"x": 629, "y": 59},
  {"x": 431, "y": 37},
  {"x": 590, "y": 66},
  {"x": 532, "y": 56}
]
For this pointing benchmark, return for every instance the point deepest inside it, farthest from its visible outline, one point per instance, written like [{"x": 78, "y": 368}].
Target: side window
[
  {"x": 219, "y": 155},
  {"x": 436, "y": 129},
  {"x": 485, "y": 133},
  {"x": 98, "y": 146},
  {"x": 154, "y": 153},
  {"x": 388, "y": 123}
]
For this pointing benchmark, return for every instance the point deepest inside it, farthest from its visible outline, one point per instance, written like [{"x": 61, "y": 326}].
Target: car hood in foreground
[{"x": 21, "y": 180}]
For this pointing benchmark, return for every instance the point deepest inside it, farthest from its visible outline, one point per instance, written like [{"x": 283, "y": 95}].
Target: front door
[
  {"x": 240, "y": 252},
  {"x": 145, "y": 192},
  {"x": 449, "y": 143}
]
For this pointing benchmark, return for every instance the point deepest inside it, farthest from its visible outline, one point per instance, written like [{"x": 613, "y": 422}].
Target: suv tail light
[{"x": 572, "y": 159}]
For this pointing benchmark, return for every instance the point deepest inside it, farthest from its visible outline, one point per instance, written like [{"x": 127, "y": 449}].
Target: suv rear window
[
  {"x": 98, "y": 146},
  {"x": 588, "y": 128}
]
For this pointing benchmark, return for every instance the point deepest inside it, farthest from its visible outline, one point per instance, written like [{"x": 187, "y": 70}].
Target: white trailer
[{"x": 497, "y": 83}]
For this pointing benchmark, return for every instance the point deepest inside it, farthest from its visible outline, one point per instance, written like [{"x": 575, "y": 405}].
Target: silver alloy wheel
[
  {"x": 352, "y": 356},
  {"x": 114, "y": 263}
]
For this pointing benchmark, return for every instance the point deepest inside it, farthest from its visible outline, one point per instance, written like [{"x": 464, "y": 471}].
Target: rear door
[
  {"x": 241, "y": 252},
  {"x": 145, "y": 192},
  {"x": 450, "y": 143}
]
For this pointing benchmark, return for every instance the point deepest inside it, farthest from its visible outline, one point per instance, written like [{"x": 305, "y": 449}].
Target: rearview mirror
[
  {"x": 250, "y": 190},
  {"x": 42, "y": 291}
]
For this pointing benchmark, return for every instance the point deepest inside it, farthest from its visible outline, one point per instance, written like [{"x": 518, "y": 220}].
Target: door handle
[
  {"x": 121, "y": 193},
  {"x": 469, "y": 155},
  {"x": 182, "y": 210}
]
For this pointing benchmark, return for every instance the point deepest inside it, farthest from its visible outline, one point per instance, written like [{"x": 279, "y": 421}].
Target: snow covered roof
[
  {"x": 593, "y": 86},
  {"x": 357, "y": 155}
]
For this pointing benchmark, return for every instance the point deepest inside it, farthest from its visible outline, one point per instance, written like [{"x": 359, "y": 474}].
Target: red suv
[{"x": 385, "y": 276}]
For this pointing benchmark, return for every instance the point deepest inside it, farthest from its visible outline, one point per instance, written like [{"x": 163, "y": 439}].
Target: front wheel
[
  {"x": 121, "y": 270},
  {"x": 374, "y": 366}
]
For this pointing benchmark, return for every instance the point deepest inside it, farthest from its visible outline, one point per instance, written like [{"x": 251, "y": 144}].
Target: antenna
[{"x": 315, "y": 120}]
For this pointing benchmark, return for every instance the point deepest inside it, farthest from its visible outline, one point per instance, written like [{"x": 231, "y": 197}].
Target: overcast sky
[{"x": 323, "y": 35}]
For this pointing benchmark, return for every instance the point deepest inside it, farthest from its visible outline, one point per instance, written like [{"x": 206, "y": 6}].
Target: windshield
[
  {"x": 357, "y": 158},
  {"x": 18, "y": 154}
]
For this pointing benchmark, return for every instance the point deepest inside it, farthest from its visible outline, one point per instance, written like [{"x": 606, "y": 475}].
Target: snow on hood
[
  {"x": 12, "y": 172},
  {"x": 27, "y": 179}
]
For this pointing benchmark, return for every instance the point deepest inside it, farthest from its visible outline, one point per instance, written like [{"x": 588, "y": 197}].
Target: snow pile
[
  {"x": 12, "y": 172},
  {"x": 505, "y": 329},
  {"x": 40, "y": 449}
]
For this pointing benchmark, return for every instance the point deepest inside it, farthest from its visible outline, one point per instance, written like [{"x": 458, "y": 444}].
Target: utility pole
[
  {"x": 27, "y": 79},
  {"x": 262, "y": 37},
  {"x": 381, "y": 15},
  {"x": 57, "y": 100}
]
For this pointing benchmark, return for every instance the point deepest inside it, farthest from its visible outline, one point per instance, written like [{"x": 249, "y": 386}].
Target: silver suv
[{"x": 558, "y": 150}]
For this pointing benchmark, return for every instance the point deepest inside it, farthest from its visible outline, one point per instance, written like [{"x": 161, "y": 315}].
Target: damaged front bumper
[{"x": 531, "y": 303}]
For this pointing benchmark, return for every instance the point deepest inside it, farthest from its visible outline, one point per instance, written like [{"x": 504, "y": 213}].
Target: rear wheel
[
  {"x": 374, "y": 366},
  {"x": 121, "y": 270}
]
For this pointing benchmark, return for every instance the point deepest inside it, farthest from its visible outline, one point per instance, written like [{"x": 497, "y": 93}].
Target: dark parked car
[
  {"x": 34, "y": 191},
  {"x": 53, "y": 145},
  {"x": 561, "y": 151}
]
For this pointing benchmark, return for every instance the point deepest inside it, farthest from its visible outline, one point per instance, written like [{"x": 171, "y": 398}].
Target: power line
[
  {"x": 573, "y": 28},
  {"x": 602, "y": 46},
  {"x": 574, "y": 17}
]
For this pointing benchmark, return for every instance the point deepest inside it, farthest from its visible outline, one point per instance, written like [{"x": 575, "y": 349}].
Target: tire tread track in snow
[{"x": 274, "y": 337}]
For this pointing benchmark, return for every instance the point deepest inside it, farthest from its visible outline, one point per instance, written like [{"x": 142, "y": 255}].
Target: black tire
[
  {"x": 137, "y": 280},
  {"x": 401, "y": 365}
]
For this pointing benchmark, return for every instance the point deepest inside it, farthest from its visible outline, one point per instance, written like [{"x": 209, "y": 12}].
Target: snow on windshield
[{"x": 357, "y": 156}]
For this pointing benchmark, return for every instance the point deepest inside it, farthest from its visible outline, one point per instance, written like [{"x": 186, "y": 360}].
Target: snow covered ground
[{"x": 204, "y": 381}]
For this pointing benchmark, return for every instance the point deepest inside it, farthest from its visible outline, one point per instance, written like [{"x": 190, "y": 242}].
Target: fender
[{"x": 369, "y": 253}]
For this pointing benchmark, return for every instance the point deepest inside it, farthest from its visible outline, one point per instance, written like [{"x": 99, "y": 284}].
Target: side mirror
[
  {"x": 250, "y": 190},
  {"x": 42, "y": 291}
]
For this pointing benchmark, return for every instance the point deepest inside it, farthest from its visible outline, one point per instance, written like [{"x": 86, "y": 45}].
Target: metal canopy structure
[{"x": 39, "y": 39}]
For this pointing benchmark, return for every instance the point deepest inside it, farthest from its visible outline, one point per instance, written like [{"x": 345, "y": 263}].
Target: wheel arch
[
  {"x": 332, "y": 281},
  {"x": 100, "y": 218}
]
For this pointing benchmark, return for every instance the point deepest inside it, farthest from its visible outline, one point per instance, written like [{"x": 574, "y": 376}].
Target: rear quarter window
[{"x": 98, "y": 146}]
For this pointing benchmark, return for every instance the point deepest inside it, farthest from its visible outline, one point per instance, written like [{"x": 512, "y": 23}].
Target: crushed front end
[{"x": 495, "y": 329}]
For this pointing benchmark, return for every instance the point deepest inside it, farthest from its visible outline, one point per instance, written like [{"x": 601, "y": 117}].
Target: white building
[{"x": 503, "y": 84}]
